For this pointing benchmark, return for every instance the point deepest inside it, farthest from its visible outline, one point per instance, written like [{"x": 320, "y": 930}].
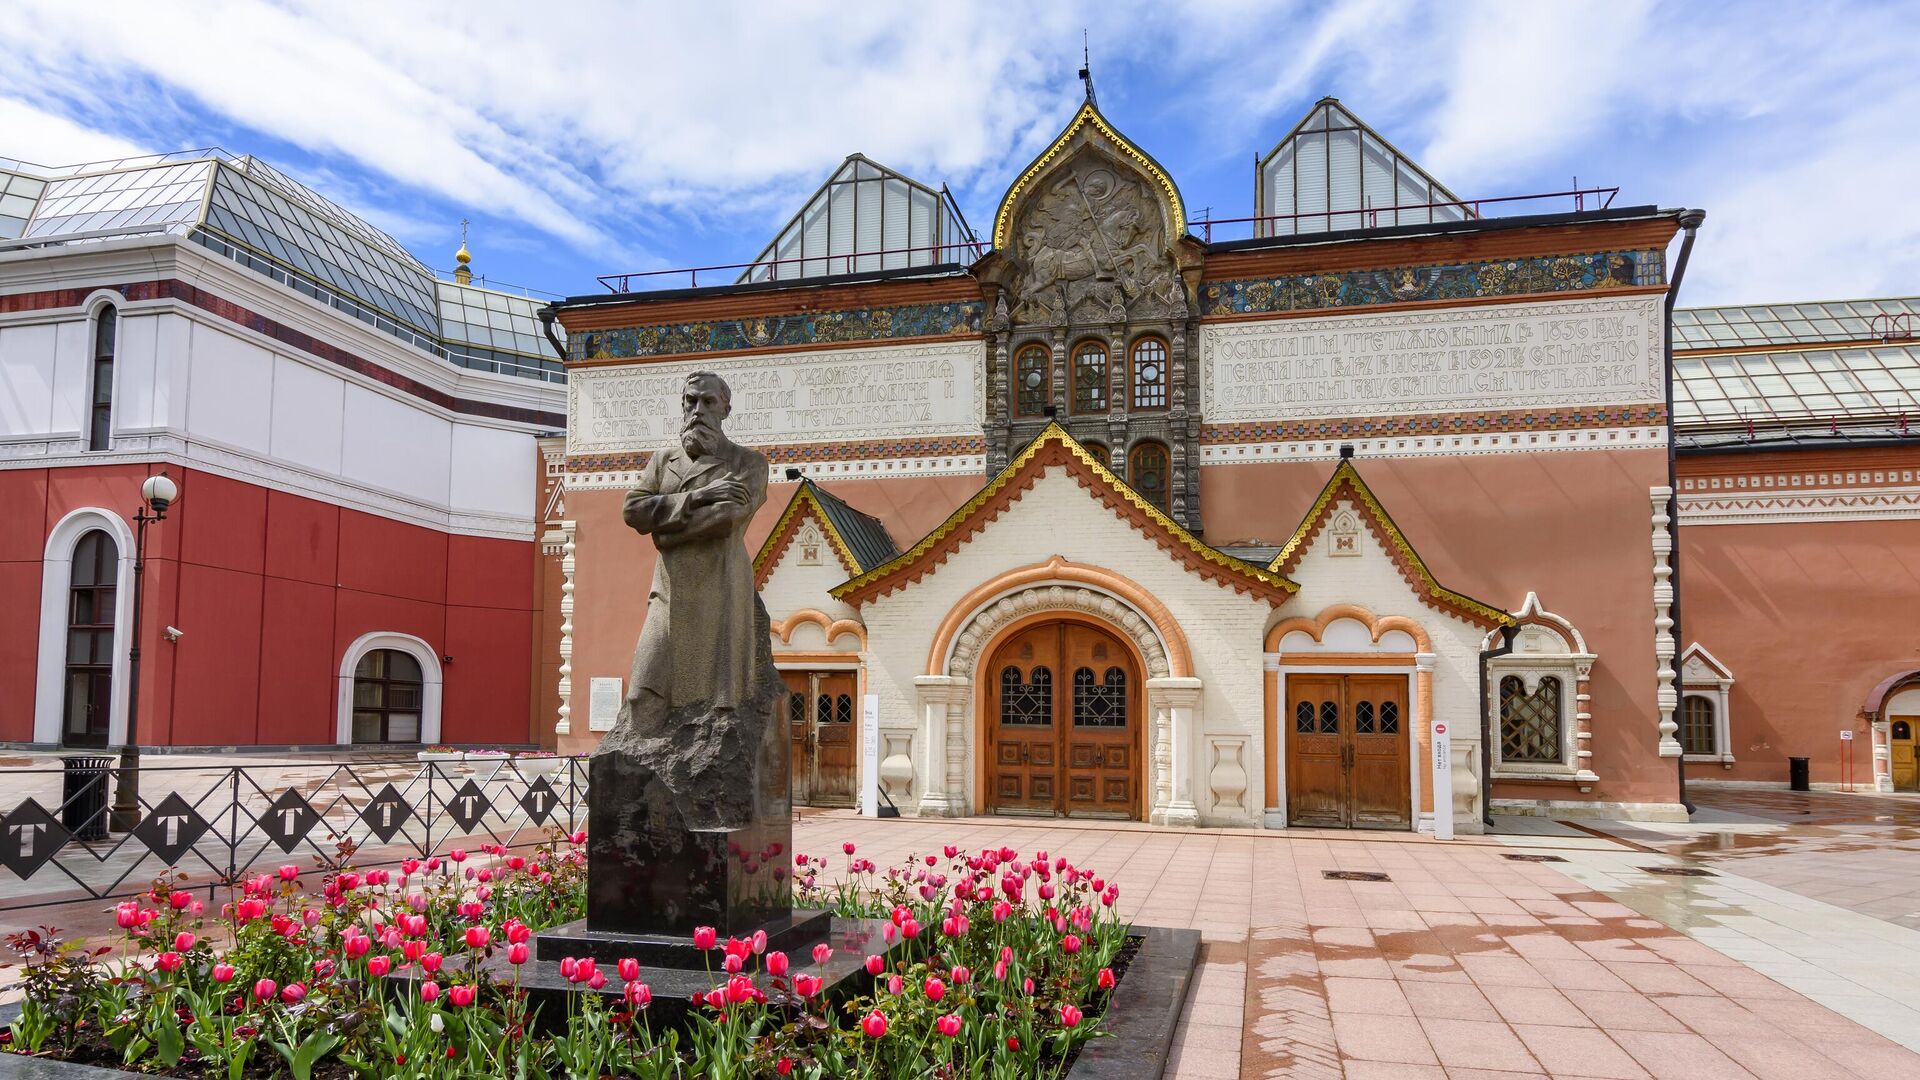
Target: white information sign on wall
[
  {"x": 1442, "y": 782},
  {"x": 603, "y": 703},
  {"x": 888, "y": 391},
  {"x": 870, "y": 755},
  {"x": 1500, "y": 356}
]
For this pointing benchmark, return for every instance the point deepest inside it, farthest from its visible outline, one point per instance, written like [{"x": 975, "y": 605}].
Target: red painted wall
[{"x": 271, "y": 589}]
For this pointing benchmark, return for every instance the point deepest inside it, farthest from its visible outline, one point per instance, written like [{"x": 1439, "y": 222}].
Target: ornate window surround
[
  {"x": 1102, "y": 386},
  {"x": 1703, "y": 675},
  {"x": 56, "y": 581},
  {"x": 1020, "y": 390},
  {"x": 1546, "y": 645},
  {"x": 430, "y": 678}
]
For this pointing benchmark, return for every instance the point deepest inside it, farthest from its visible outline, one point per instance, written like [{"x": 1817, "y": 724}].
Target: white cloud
[{"x": 43, "y": 138}]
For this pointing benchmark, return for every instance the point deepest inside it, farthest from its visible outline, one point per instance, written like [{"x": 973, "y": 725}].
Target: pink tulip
[
  {"x": 289, "y": 872},
  {"x": 806, "y": 985},
  {"x": 183, "y": 941},
  {"x": 1070, "y": 944},
  {"x": 127, "y": 914},
  {"x": 875, "y": 1022},
  {"x": 935, "y": 989},
  {"x": 822, "y": 953},
  {"x": 478, "y": 937},
  {"x": 168, "y": 962},
  {"x": 895, "y": 984},
  {"x": 629, "y": 969},
  {"x": 223, "y": 973},
  {"x": 265, "y": 989},
  {"x": 379, "y": 966},
  {"x": 638, "y": 995},
  {"x": 429, "y": 992},
  {"x": 598, "y": 981},
  {"x": 962, "y": 976},
  {"x": 733, "y": 965},
  {"x": 948, "y": 1025},
  {"x": 777, "y": 964},
  {"x": 1027, "y": 985},
  {"x": 180, "y": 899},
  {"x": 457, "y": 855},
  {"x": 1106, "y": 979},
  {"x": 516, "y": 954},
  {"x": 704, "y": 937},
  {"x": 292, "y": 993},
  {"x": 1069, "y": 1016},
  {"x": 356, "y": 946},
  {"x": 759, "y": 942},
  {"x": 431, "y": 962},
  {"x": 876, "y": 964},
  {"x": 461, "y": 996}
]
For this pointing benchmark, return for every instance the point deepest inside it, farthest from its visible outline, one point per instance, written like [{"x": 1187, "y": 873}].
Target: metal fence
[{"x": 215, "y": 825}]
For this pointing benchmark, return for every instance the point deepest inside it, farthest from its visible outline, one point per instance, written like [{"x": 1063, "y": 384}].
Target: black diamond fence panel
[{"x": 217, "y": 825}]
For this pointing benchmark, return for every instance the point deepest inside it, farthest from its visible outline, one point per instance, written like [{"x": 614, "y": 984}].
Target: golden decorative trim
[
  {"x": 1089, "y": 115},
  {"x": 777, "y": 541},
  {"x": 1055, "y": 435},
  {"x": 1347, "y": 478}
]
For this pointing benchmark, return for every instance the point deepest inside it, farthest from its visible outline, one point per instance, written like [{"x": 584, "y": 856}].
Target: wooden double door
[
  {"x": 822, "y": 720},
  {"x": 1347, "y": 751},
  {"x": 1063, "y": 724}
]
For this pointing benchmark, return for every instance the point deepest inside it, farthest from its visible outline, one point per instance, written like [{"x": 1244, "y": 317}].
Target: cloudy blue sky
[{"x": 584, "y": 138}]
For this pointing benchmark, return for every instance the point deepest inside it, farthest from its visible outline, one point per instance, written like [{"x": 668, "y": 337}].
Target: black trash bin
[
  {"x": 83, "y": 792},
  {"x": 1797, "y": 774}
]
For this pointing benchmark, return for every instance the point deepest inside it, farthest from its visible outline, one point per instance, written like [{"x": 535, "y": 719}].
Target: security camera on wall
[{"x": 174, "y": 633}]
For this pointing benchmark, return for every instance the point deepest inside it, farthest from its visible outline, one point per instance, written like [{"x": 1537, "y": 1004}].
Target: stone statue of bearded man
[{"x": 705, "y": 638}]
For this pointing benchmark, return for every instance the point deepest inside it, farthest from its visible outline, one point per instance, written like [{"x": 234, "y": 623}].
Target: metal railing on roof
[
  {"x": 1600, "y": 198},
  {"x": 621, "y": 283}
]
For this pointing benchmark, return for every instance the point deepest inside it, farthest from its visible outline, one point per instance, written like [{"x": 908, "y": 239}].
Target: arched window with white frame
[
  {"x": 1706, "y": 689},
  {"x": 390, "y": 691},
  {"x": 106, "y": 329},
  {"x": 1539, "y": 695}
]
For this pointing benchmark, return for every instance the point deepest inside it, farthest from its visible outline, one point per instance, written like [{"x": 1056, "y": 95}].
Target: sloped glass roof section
[
  {"x": 1781, "y": 324},
  {"x": 246, "y": 210},
  {"x": 866, "y": 217},
  {"x": 1332, "y": 173}
]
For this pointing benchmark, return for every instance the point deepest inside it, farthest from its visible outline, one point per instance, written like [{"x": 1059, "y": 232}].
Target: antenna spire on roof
[
  {"x": 462, "y": 272},
  {"x": 1086, "y": 68}
]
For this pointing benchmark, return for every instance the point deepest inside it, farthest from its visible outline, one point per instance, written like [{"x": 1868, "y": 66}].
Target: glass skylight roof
[
  {"x": 257, "y": 216},
  {"x": 1333, "y": 172},
  {"x": 1783, "y": 324},
  {"x": 1818, "y": 384},
  {"x": 862, "y": 210}
]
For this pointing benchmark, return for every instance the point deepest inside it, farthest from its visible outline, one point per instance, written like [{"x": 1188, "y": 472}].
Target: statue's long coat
[{"x": 700, "y": 637}]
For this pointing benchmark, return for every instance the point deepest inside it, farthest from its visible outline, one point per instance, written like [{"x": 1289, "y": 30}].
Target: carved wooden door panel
[
  {"x": 799, "y": 707},
  {"x": 1022, "y": 700},
  {"x": 1377, "y": 763},
  {"x": 835, "y": 717},
  {"x": 1101, "y": 722},
  {"x": 1316, "y": 751}
]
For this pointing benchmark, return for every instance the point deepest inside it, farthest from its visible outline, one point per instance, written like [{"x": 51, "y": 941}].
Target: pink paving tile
[
  {"x": 1478, "y": 1044},
  {"x": 1382, "y": 1038},
  {"x": 1870, "y": 1055},
  {"x": 1383, "y": 1070},
  {"x": 1714, "y": 1015},
  {"x": 1449, "y": 1001},
  {"x": 1685, "y": 950},
  {"x": 1740, "y": 982},
  {"x": 1502, "y": 971},
  {"x": 1578, "y": 1052},
  {"x": 1679, "y": 1056},
  {"x": 1535, "y": 1005},
  {"x": 1358, "y": 967},
  {"x": 1579, "y": 975},
  {"x": 1777, "y": 1058},
  {"x": 1605, "y": 909},
  {"x": 1543, "y": 945},
  {"x": 1623, "y": 1010},
  {"x": 1659, "y": 979},
  {"x": 1349, "y": 995}
]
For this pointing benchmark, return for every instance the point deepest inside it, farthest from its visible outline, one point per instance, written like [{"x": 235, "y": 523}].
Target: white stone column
[
  {"x": 1175, "y": 705},
  {"x": 1882, "y": 736},
  {"x": 934, "y": 694},
  {"x": 561, "y": 542},
  {"x": 1666, "y": 698}
]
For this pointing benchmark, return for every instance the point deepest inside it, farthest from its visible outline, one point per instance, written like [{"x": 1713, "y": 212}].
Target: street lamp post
[{"x": 156, "y": 495}]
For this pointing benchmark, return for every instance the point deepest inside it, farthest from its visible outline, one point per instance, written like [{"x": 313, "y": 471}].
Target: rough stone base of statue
[{"x": 689, "y": 823}]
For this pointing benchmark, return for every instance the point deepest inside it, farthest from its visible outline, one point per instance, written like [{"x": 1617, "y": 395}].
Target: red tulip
[
  {"x": 950, "y": 851},
  {"x": 876, "y": 964},
  {"x": 431, "y": 962},
  {"x": 127, "y": 914},
  {"x": 179, "y": 899},
  {"x": 875, "y": 1022},
  {"x": 1106, "y": 979},
  {"x": 264, "y": 989},
  {"x": 629, "y": 969},
  {"x": 183, "y": 940},
  {"x": 457, "y": 855},
  {"x": 777, "y": 963},
  {"x": 848, "y": 848},
  {"x": 516, "y": 954},
  {"x": 292, "y": 993},
  {"x": 822, "y": 953},
  {"x": 1069, "y": 1016},
  {"x": 168, "y": 962},
  {"x": 806, "y": 985},
  {"x": 1070, "y": 944},
  {"x": 935, "y": 989},
  {"x": 597, "y": 981},
  {"x": 703, "y": 937},
  {"x": 962, "y": 976},
  {"x": 461, "y": 996},
  {"x": 223, "y": 973},
  {"x": 784, "y": 1066},
  {"x": 413, "y": 950},
  {"x": 518, "y": 933},
  {"x": 948, "y": 1025},
  {"x": 289, "y": 872},
  {"x": 478, "y": 937},
  {"x": 379, "y": 966},
  {"x": 569, "y": 966},
  {"x": 429, "y": 991},
  {"x": 733, "y": 965},
  {"x": 356, "y": 946}
]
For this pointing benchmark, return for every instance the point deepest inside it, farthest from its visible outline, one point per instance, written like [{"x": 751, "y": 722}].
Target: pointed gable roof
[
  {"x": 859, "y": 540},
  {"x": 1331, "y": 167},
  {"x": 1054, "y": 447},
  {"x": 1088, "y": 117},
  {"x": 1346, "y": 484},
  {"x": 864, "y": 207}
]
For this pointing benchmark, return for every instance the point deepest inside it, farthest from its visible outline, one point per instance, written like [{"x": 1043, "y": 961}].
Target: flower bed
[{"x": 1002, "y": 966}]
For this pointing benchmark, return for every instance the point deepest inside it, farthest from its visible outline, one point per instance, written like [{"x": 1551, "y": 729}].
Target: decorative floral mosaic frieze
[
  {"x": 1430, "y": 424},
  {"x": 956, "y": 319},
  {"x": 1453, "y": 281}
]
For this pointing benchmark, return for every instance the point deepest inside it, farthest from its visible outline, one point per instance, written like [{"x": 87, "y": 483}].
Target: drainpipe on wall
[
  {"x": 1486, "y": 726},
  {"x": 1690, "y": 220},
  {"x": 552, "y": 311}
]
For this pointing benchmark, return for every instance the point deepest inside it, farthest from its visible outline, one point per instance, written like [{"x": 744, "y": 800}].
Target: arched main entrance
[{"x": 1062, "y": 722}]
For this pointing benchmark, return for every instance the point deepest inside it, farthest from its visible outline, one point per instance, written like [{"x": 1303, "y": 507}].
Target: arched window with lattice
[
  {"x": 1147, "y": 468},
  {"x": 1090, "y": 377},
  {"x": 1033, "y": 380},
  {"x": 1149, "y": 375}
]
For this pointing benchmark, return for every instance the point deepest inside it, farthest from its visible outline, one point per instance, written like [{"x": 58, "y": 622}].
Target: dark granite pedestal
[{"x": 794, "y": 933}]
